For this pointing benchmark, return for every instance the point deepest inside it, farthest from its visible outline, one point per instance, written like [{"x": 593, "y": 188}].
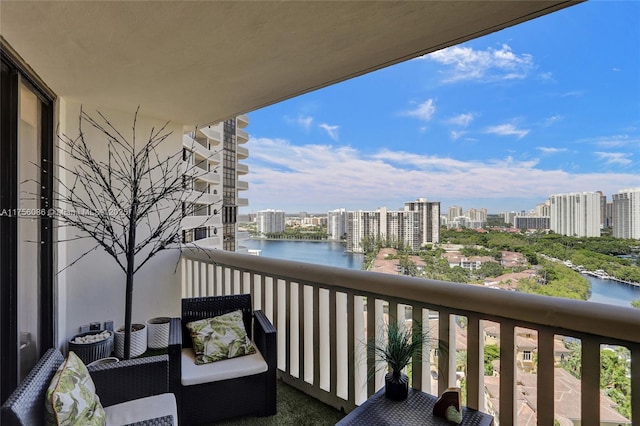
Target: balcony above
[
  {"x": 242, "y": 202},
  {"x": 242, "y": 121},
  {"x": 99, "y": 51},
  {"x": 242, "y": 185},
  {"x": 213, "y": 136}
]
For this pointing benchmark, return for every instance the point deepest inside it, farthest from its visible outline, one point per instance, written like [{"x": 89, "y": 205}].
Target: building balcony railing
[
  {"x": 242, "y": 202},
  {"x": 191, "y": 222},
  {"x": 242, "y": 185},
  {"x": 213, "y": 135},
  {"x": 324, "y": 316},
  {"x": 242, "y": 136},
  {"x": 242, "y": 169},
  {"x": 242, "y": 121},
  {"x": 242, "y": 152}
]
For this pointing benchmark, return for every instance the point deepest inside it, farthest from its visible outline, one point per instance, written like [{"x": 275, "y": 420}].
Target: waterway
[
  {"x": 318, "y": 252},
  {"x": 333, "y": 254}
]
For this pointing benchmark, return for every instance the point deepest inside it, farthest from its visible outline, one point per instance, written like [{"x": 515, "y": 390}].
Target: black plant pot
[{"x": 396, "y": 386}]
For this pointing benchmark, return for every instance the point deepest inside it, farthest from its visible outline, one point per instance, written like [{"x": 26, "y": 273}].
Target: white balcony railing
[
  {"x": 242, "y": 121},
  {"x": 242, "y": 136},
  {"x": 242, "y": 169},
  {"x": 242, "y": 152},
  {"x": 242, "y": 185},
  {"x": 324, "y": 315}
]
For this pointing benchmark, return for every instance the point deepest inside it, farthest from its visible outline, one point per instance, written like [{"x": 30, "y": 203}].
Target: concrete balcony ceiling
[{"x": 164, "y": 56}]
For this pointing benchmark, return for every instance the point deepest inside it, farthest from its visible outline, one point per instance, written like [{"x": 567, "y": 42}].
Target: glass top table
[{"x": 417, "y": 409}]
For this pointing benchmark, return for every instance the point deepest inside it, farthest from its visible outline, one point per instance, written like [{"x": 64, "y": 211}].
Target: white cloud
[
  {"x": 461, "y": 120},
  {"x": 332, "y": 131},
  {"x": 614, "y": 158},
  {"x": 551, "y": 150},
  {"x": 549, "y": 121},
  {"x": 507, "y": 130},
  {"x": 424, "y": 111},
  {"x": 305, "y": 122},
  {"x": 616, "y": 69},
  {"x": 614, "y": 141},
  {"x": 465, "y": 63},
  {"x": 455, "y": 135},
  {"x": 322, "y": 177}
]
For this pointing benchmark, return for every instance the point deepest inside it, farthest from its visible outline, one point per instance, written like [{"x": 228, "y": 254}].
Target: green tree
[
  {"x": 491, "y": 353},
  {"x": 636, "y": 303},
  {"x": 490, "y": 269}
]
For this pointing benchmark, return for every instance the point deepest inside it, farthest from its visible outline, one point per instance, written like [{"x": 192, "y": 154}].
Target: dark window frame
[{"x": 14, "y": 72}]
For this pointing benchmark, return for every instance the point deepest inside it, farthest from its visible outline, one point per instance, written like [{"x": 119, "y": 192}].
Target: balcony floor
[{"x": 294, "y": 408}]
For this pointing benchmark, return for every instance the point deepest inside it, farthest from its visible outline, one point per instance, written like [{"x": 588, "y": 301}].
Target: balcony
[
  {"x": 242, "y": 136},
  {"x": 242, "y": 185},
  {"x": 212, "y": 135},
  {"x": 242, "y": 121},
  {"x": 323, "y": 315},
  {"x": 190, "y": 222},
  {"x": 242, "y": 152},
  {"x": 242, "y": 169},
  {"x": 242, "y": 202}
]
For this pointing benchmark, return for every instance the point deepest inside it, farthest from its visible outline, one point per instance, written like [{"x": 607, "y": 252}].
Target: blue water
[
  {"x": 321, "y": 253},
  {"x": 332, "y": 254},
  {"x": 612, "y": 292}
]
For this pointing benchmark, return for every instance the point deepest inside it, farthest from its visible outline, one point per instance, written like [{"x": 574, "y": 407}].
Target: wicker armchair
[
  {"x": 115, "y": 384},
  {"x": 212, "y": 401}
]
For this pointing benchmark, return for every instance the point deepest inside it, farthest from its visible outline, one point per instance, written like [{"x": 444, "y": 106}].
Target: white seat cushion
[
  {"x": 142, "y": 409},
  {"x": 233, "y": 368}
]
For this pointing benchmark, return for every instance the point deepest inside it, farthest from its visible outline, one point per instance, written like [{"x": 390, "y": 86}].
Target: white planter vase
[
  {"x": 138, "y": 341},
  {"x": 158, "y": 332}
]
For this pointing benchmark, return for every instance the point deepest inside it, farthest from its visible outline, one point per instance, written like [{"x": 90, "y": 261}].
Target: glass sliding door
[
  {"x": 26, "y": 249},
  {"x": 28, "y": 223}
]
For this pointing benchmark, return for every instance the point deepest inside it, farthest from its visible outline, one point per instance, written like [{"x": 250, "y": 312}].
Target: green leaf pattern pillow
[
  {"x": 220, "y": 337},
  {"x": 71, "y": 397}
]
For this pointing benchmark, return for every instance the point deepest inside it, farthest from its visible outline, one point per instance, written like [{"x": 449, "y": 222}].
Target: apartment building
[
  {"x": 626, "y": 213},
  {"x": 211, "y": 155},
  {"x": 416, "y": 225},
  {"x": 270, "y": 221},
  {"x": 337, "y": 224},
  {"x": 454, "y": 211},
  {"x": 532, "y": 222},
  {"x": 576, "y": 214}
]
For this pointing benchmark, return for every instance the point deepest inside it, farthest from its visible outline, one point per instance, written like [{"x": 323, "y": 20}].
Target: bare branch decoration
[{"x": 131, "y": 204}]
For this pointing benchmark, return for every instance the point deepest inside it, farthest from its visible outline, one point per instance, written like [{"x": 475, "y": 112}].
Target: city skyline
[{"x": 501, "y": 122}]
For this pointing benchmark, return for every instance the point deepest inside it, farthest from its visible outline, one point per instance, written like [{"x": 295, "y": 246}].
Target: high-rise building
[
  {"x": 603, "y": 208},
  {"x": 454, "y": 211},
  {"x": 509, "y": 217},
  {"x": 337, "y": 224},
  {"x": 608, "y": 221},
  {"x": 429, "y": 218},
  {"x": 532, "y": 222},
  {"x": 626, "y": 213},
  {"x": 576, "y": 214},
  {"x": 543, "y": 209},
  {"x": 211, "y": 155},
  {"x": 416, "y": 225},
  {"x": 477, "y": 215},
  {"x": 270, "y": 221}
]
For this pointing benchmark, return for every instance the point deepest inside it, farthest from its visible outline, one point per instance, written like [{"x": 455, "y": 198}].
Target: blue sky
[{"x": 500, "y": 122}]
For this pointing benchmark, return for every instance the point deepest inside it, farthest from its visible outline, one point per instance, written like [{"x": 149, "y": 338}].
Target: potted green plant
[{"x": 396, "y": 351}]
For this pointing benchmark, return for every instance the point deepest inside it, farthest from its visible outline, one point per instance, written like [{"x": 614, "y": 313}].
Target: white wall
[{"x": 94, "y": 288}]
